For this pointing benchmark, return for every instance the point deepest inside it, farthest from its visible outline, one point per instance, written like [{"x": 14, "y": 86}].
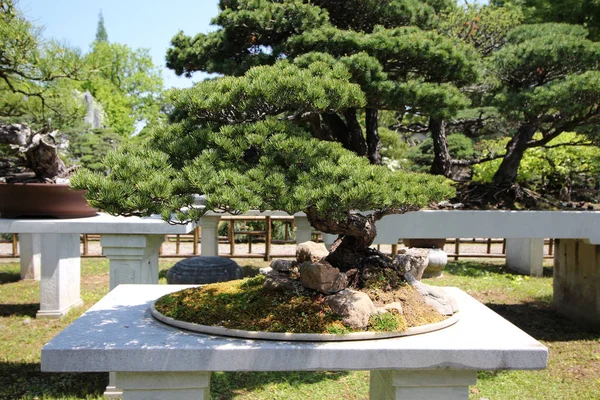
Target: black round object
[{"x": 204, "y": 269}]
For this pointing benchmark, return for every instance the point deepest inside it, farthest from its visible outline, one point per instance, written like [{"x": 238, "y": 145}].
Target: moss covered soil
[{"x": 243, "y": 304}]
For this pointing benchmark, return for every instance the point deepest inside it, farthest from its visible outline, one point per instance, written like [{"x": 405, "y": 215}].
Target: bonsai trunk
[
  {"x": 356, "y": 234},
  {"x": 515, "y": 149},
  {"x": 442, "y": 160},
  {"x": 39, "y": 149}
]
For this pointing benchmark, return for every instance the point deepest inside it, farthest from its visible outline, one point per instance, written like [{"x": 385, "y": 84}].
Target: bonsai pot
[{"x": 41, "y": 200}]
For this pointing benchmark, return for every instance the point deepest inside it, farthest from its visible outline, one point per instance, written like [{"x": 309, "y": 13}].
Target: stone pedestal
[
  {"x": 60, "y": 274},
  {"x": 164, "y": 385},
  {"x": 577, "y": 280},
  {"x": 30, "y": 254},
  {"x": 133, "y": 258},
  {"x": 209, "y": 243},
  {"x": 525, "y": 256},
  {"x": 303, "y": 229},
  {"x": 436, "y": 384}
]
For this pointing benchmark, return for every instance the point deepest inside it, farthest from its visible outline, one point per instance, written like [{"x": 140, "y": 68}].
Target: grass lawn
[{"x": 573, "y": 371}]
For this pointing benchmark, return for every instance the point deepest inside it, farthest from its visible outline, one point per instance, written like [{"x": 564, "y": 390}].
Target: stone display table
[
  {"x": 50, "y": 251},
  {"x": 155, "y": 361}
]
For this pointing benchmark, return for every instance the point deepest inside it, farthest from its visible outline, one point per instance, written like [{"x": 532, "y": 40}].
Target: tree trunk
[
  {"x": 357, "y": 233},
  {"x": 509, "y": 168},
  {"x": 442, "y": 161},
  {"x": 373, "y": 140},
  {"x": 355, "y": 133}
]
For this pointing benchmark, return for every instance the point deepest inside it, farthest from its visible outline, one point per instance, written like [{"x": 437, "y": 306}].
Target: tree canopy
[{"x": 387, "y": 46}]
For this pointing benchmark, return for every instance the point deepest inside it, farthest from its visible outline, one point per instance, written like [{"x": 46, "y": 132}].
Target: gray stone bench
[{"x": 155, "y": 361}]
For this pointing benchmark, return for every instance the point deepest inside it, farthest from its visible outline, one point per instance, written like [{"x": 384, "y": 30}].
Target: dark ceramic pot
[{"x": 40, "y": 200}]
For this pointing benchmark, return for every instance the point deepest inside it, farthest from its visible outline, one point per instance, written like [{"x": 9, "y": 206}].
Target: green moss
[
  {"x": 243, "y": 304},
  {"x": 391, "y": 321}
]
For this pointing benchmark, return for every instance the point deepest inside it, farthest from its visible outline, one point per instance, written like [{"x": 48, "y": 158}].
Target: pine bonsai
[{"x": 245, "y": 143}]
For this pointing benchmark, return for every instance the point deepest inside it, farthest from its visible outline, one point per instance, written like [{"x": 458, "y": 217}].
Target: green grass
[{"x": 573, "y": 371}]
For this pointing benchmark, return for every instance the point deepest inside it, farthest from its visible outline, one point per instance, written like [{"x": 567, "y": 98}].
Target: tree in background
[
  {"x": 548, "y": 81},
  {"x": 576, "y": 12},
  {"x": 388, "y": 47},
  {"x": 101, "y": 35},
  {"x": 240, "y": 142},
  {"x": 36, "y": 76}
]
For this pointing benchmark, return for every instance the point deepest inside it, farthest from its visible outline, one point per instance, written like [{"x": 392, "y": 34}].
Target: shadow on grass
[
  {"x": 9, "y": 277},
  {"x": 162, "y": 274},
  {"x": 25, "y": 380},
  {"x": 542, "y": 322},
  {"x": 19, "y": 310},
  {"x": 227, "y": 385}
]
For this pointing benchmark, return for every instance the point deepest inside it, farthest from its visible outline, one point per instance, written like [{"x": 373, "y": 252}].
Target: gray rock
[
  {"x": 265, "y": 270},
  {"x": 434, "y": 296},
  {"x": 283, "y": 265},
  {"x": 276, "y": 282},
  {"x": 321, "y": 276},
  {"x": 204, "y": 269},
  {"x": 355, "y": 307},
  {"x": 310, "y": 251},
  {"x": 414, "y": 261}
]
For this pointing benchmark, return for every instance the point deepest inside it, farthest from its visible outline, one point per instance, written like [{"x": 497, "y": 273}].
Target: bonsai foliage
[
  {"x": 246, "y": 143},
  {"x": 387, "y": 46}
]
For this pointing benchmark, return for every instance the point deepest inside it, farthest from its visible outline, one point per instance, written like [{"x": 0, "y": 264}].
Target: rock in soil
[
  {"x": 355, "y": 307},
  {"x": 434, "y": 296},
  {"x": 311, "y": 251},
  {"x": 321, "y": 276}
]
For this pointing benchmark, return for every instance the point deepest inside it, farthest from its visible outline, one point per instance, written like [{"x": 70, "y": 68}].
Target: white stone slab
[
  {"x": 119, "y": 334},
  {"x": 493, "y": 223},
  {"x": 102, "y": 223}
]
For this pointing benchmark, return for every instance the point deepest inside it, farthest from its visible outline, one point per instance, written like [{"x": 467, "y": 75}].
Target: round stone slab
[
  {"x": 203, "y": 269},
  {"x": 304, "y": 337}
]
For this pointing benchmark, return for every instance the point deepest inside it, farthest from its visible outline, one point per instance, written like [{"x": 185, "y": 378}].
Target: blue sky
[{"x": 138, "y": 23}]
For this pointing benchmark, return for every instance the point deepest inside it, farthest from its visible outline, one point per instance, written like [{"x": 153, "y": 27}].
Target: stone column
[
  {"x": 60, "y": 274},
  {"x": 209, "y": 241},
  {"x": 133, "y": 258},
  {"x": 525, "y": 256},
  {"x": 303, "y": 229},
  {"x": 438, "y": 384},
  {"x": 576, "y": 280},
  {"x": 164, "y": 385},
  {"x": 30, "y": 254}
]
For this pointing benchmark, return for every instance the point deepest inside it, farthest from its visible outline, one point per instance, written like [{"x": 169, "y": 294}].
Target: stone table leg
[
  {"x": 60, "y": 274},
  {"x": 525, "y": 256},
  {"x": 132, "y": 258},
  {"x": 164, "y": 385},
  {"x": 209, "y": 242},
  {"x": 577, "y": 281},
  {"x": 303, "y": 229},
  {"x": 30, "y": 254},
  {"x": 438, "y": 384}
]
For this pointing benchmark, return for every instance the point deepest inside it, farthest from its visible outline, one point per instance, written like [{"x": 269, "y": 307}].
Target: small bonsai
[
  {"x": 31, "y": 156},
  {"x": 248, "y": 143}
]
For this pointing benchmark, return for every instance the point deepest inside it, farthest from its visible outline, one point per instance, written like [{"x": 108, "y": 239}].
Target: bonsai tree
[{"x": 245, "y": 143}]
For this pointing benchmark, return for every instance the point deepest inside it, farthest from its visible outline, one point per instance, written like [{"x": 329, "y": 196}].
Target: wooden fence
[{"x": 264, "y": 235}]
